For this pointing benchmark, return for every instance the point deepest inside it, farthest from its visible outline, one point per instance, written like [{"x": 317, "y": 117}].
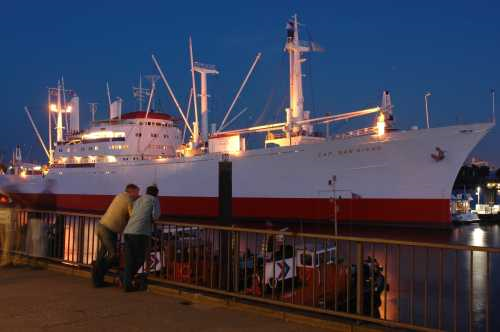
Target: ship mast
[
  {"x": 294, "y": 52},
  {"x": 294, "y": 47},
  {"x": 59, "y": 123},
  {"x": 204, "y": 69},
  {"x": 59, "y": 110}
]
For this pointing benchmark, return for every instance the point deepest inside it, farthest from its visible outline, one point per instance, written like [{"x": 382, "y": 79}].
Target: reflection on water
[{"x": 478, "y": 237}]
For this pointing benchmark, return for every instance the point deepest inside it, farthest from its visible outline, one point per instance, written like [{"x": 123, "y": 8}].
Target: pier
[
  {"x": 44, "y": 300},
  {"x": 403, "y": 284}
]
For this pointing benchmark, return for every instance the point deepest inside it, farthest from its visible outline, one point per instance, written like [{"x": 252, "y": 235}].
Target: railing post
[
  {"x": 359, "y": 278},
  {"x": 59, "y": 236}
]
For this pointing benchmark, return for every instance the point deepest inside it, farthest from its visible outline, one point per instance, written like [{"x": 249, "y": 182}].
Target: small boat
[
  {"x": 465, "y": 218},
  {"x": 488, "y": 212},
  {"x": 461, "y": 212}
]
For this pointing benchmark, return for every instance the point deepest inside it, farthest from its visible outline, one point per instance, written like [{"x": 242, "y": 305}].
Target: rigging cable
[{"x": 270, "y": 98}]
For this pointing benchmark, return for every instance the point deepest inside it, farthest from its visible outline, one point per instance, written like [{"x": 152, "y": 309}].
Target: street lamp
[
  {"x": 332, "y": 183},
  {"x": 426, "y": 96}
]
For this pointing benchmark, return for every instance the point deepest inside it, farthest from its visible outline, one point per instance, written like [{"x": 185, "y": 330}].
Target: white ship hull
[{"x": 393, "y": 179}]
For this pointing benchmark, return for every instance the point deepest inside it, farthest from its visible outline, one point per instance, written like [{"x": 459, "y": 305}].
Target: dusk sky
[{"x": 450, "y": 48}]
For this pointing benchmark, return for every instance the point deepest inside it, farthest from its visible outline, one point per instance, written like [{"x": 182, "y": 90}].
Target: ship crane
[
  {"x": 324, "y": 119},
  {"x": 204, "y": 70}
]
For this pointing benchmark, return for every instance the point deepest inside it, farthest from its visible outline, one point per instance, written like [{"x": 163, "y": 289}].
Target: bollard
[
  {"x": 225, "y": 212},
  {"x": 6, "y": 234},
  {"x": 359, "y": 278},
  {"x": 225, "y": 191}
]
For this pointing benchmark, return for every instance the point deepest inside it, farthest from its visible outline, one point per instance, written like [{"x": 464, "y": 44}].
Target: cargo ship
[{"x": 378, "y": 174}]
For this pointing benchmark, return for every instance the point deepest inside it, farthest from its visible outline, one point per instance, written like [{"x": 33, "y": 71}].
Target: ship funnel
[{"x": 115, "y": 109}]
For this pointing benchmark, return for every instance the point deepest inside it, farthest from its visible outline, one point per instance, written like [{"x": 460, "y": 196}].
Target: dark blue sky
[{"x": 451, "y": 48}]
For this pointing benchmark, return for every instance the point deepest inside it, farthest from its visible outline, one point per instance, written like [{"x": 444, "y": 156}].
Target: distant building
[{"x": 480, "y": 163}]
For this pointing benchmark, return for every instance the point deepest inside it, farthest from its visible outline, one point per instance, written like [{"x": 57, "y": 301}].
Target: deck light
[
  {"x": 111, "y": 159},
  {"x": 381, "y": 125}
]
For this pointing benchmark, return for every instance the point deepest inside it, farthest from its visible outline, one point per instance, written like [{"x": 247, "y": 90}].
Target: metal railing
[{"x": 401, "y": 284}]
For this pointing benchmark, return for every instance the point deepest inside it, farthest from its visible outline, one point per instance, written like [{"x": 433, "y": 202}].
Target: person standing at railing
[
  {"x": 137, "y": 234},
  {"x": 111, "y": 224}
]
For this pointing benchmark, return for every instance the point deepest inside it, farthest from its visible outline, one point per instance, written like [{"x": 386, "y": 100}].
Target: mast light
[
  {"x": 381, "y": 124},
  {"x": 53, "y": 108}
]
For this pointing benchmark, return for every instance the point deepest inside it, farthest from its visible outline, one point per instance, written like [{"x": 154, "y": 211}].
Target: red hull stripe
[{"x": 428, "y": 211}]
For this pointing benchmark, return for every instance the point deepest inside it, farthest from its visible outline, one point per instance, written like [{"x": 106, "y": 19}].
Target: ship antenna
[
  {"x": 140, "y": 92},
  {"x": 426, "y": 96},
  {"x": 109, "y": 95},
  {"x": 93, "y": 110},
  {"x": 153, "y": 79},
  {"x": 493, "y": 105},
  {"x": 250, "y": 71},
  {"x": 50, "y": 128}
]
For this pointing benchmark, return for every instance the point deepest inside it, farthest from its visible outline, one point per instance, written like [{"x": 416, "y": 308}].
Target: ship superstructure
[{"x": 374, "y": 174}]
